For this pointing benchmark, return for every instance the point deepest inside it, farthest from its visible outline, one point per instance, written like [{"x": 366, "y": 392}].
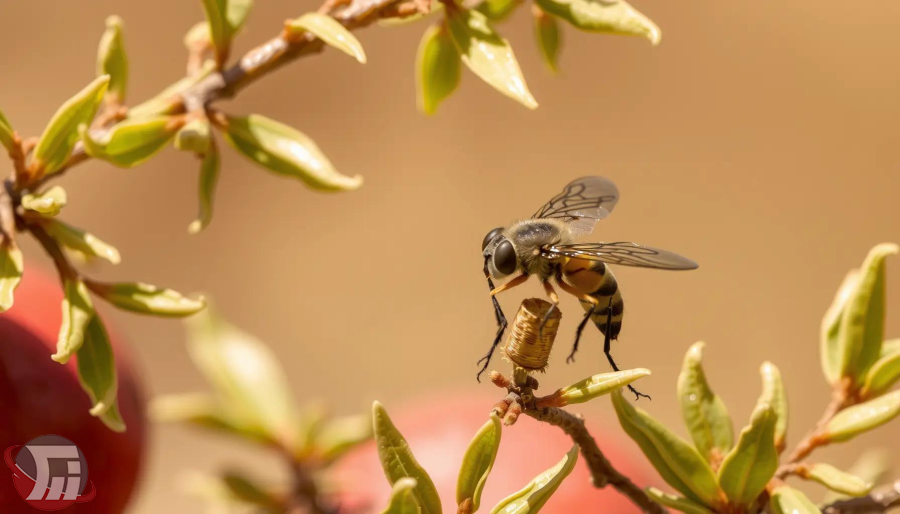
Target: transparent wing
[
  {"x": 624, "y": 253},
  {"x": 586, "y": 199}
]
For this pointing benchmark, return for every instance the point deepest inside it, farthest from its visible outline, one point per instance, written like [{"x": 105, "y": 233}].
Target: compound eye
[
  {"x": 490, "y": 237},
  {"x": 505, "y": 257}
]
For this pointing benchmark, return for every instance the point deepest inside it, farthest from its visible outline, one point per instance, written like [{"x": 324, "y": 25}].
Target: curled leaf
[
  {"x": 133, "y": 141},
  {"x": 884, "y": 373},
  {"x": 286, "y": 151},
  {"x": 703, "y": 411},
  {"x": 677, "y": 502},
  {"x": 488, "y": 55},
  {"x": 48, "y": 203},
  {"x": 61, "y": 133},
  {"x": 209, "y": 177},
  {"x": 546, "y": 31},
  {"x": 147, "y": 299},
  {"x": 194, "y": 137},
  {"x": 477, "y": 462},
  {"x": 598, "y": 385},
  {"x": 863, "y": 417},
  {"x": 11, "y": 267},
  {"x": 835, "y": 479},
  {"x": 403, "y": 498},
  {"x": 773, "y": 394},
  {"x": 534, "y": 495},
  {"x": 204, "y": 411},
  {"x": 338, "y": 436},
  {"x": 97, "y": 369},
  {"x": 752, "y": 462},
  {"x": 112, "y": 59},
  {"x": 77, "y": 311},
  {"x": 830, "y": 351},
  {"x": 438, "y": 68},
  {"x": 679, "y": 464},
  {"x": 604, "y": 16},
  {"x": 398, "y": 461},
  {"x": 7, "y": 134},
  {"x": 328, "y": 30},
  {"x": 80, "y": 241},
  {"x": 787, "y": 500}
]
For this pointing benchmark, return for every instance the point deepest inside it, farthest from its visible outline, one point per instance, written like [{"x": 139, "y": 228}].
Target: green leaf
[
  {"x": 835, "y": 479},
  {"x": 477, "y": 462},
  {"x": 147, "y": 299},
  {"x": 863, "y": 417},
  {"x": 169, "y": 100},
  {"x": 194, "y": 137},
  {"x": 336, "y": 437},
  {"x": 209, "y": 177},
  {"x": 203, "y": 411},
  {"x": 773, "y": 394},
  {"x": 328, "y": 30},
  {"x": 403, "y": 498},
  {"x": 247, "y": 376},
  {"x": 677, "y": 462},
  {"x": 245, "y": 489},
  {"x": 884, "y": 373},
  {"x": 286, "y": 151},
  {"x": 497, "y": 10},
  {"x": 787, "y": 500},
  {"x": 532, "y": 497},
  {"x": 862, "y": 324},
  {"x": 225, "y": 18},
  {"x": 438, "y": 68},
  {"x": 752, "y": 462},
  {"x": 112, "y": 59},
  {"x": 830, "y": 341},
  {"x": 488, "y": 55},
  {"x": 97, "y": 369},
  {"x": 80, "y": 241},
  {"x": 436, "y": 6},
  {"x": 113, "y": 419},
  {"x": 604, "y": 16},
  {"x": 546, "y": 31},
  {"x": 703, "y": 411},
  {"x": 48, "y": 203},
  {"x": 399, "y": 462},
  {"x": 676, "y": 502},
  {"x": 77, "y": 311},
  {"x": 61, "y": 134},
  {"x": 11, "y": 268},
  {"x": 598, "y": 385},
  {"x": 873, "y": 466},
  {"x": 133, "y": 141},
  {"x": 7, "y": 134}
]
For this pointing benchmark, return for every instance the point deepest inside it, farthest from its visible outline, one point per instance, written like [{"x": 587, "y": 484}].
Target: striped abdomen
[{"x": 596, "y": 280}]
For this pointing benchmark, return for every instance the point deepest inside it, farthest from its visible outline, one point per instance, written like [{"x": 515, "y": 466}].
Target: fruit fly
[{"x": 544, "y": 246}]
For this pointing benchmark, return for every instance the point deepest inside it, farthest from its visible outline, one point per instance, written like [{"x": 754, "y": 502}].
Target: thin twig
[
  {"x": 881, "y": 500},
  {"x": 815, "y": 438}
]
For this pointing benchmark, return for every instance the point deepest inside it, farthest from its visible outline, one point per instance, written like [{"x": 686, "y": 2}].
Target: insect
[{"x": 544, "y": 246}]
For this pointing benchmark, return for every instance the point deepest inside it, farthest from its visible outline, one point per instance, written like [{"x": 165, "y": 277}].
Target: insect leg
[
  {"x": 578, "y": 331},
  {"x": 554, "y": 302},
  {"x": 498, "y": 313},
  {"x": 609, "y": 357},
  {"x": 584, "y": 298}
]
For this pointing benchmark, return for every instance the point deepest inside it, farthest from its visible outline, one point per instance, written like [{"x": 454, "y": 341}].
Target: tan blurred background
[{"x": 759, "y": 139}]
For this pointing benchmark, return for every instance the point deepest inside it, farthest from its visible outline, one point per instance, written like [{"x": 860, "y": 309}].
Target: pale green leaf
[
  {"x": 677, "y": 502},
  {"x": 7, "y": 134},
  {"x": 133, "y": 141},
  {"x": 247, "y": 490},
  {"x": 147, "y": 299},
  {"x": 80, "y": 241},
  {"x": 598, "y": 385},
  {"x": 97, "y": 367},
  {"x": 206, "y": 189},
  {"x": 829, "y": 335},
  {"x": 398, "y": 461},
  {"x": 112, "y": 418},
  {"x": 774, "y": 394},
  {"x": 884, "y": 373},
  {"x": 225, "y": 18},
  {"x": 497, "y": 10},
  {"x": 604, "y": 16},
  {"x": 532, "y": 498},
  {"x": 546, "y": 32},
  {"x": 863, "y": 417},
  {"x": 436, "y": 6},
  {"x": 336, "y": 437},
  {"x": 703, "y": 411},
  {"x": 48, "y": 203},
  {"x": 438, "y": 68},
  {"x": 478, "y": 461},
  {"x": 787, "y": 500},
  {"x": 112, "y": 59},
  {"x": 247, "y": 376},
  {"x": 488, "y": 55},
  {"x": 11, "y": 268},
  {"x": 835, "y": 479},
  {"x": 169, "y": 100},
  {"x": 403, "y": 498},
  {"x": 330, "y": 31},
  {"x": 196, "y": 35},
  {"x": 286, "y": 151},
  {"x": 873, "y": 466},
  {"x": 77, "y": 311},
  {"x": 752, "y": 462},
  {"x": 194, "y": 136},
  {"x": 679, "y": 464},
  {"x": 862, "y": 324},
  {"x": 61, "y": 133},
  {"x": 203, "y": 411}
]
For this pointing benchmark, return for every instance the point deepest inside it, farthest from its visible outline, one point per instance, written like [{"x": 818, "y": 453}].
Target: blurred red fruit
[
  {"x": 439, "y": 431},
  {"x": 39, "y": 396}
]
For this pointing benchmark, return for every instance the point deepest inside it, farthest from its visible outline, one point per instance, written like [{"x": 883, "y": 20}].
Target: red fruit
[
  {"x": 439, "y": 430},
  {"x": 39, "y": 396}
]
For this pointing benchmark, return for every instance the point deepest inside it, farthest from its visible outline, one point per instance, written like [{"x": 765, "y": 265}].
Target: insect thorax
[{"x": 530, "y": 235}]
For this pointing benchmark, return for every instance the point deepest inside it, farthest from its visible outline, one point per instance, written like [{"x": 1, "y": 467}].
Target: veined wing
[
  {"x": 582, "y": 202},
  {"x": 624, "y": 253}
]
